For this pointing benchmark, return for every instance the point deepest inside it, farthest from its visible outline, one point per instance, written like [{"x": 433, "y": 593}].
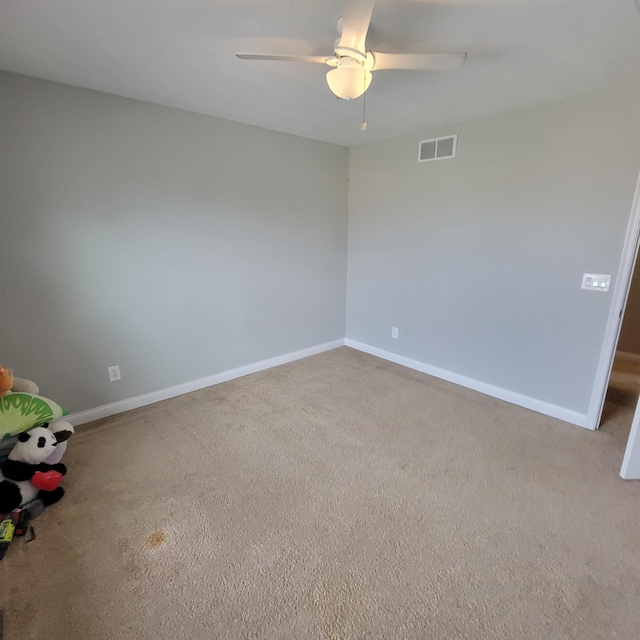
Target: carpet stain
[
  {"x": 338, "y": 604},
  {"x": 156, "y": 540}
]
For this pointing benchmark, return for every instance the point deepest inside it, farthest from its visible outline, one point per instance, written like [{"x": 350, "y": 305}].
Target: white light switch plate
[{"x": 596, "y": 281}]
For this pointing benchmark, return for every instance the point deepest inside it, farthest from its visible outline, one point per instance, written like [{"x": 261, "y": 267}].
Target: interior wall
[
  {"x": 173, "y": 244},
  {"x": 479, "y": 260},
  {"x": 629, "y": 340}
]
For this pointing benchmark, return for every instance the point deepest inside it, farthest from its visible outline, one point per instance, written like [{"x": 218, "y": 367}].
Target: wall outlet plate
[{"x": 114, "y": 373}]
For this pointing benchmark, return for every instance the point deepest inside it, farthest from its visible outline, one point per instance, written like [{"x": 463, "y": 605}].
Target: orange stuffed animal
[{"x": 6, "y": 380}]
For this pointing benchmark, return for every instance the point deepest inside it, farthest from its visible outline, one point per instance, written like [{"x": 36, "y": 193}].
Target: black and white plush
[{"x": 26, "y": 458}]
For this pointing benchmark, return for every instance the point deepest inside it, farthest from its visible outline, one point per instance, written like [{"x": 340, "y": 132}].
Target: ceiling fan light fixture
[{"x": 349, "y": 81}]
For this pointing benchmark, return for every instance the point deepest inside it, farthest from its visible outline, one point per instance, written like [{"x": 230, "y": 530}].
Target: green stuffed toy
[{"x": 21, "y": 408}]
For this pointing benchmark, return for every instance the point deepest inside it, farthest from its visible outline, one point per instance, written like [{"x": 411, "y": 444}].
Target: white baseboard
[
  {"x": 527, "y": 402},
  {"x": 164, "y": 394},
  {"x": 628, "y": 356}
]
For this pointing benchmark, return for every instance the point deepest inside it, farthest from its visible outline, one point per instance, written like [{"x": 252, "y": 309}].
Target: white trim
[
  {"x": 632, "y": 449},
  {"x": 616, "y": 312},
  {"x": 527, "y": 402},
  {"x": 164, "y": 394},
  {"x": 628, "y": 356}
]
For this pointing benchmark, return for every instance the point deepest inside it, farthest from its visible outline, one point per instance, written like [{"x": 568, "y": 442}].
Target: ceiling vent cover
[{"x": 437, "y": 148}]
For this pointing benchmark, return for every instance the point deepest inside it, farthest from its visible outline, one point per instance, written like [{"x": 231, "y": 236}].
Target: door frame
[
  {"x": 629, "y": 469},
  {"x": 616, "y": 313}
]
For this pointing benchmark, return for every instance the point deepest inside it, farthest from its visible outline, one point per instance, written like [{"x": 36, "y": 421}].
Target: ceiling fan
[{"x": 352, "y": 64}]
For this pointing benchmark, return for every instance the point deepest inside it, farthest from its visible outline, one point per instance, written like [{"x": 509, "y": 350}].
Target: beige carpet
[{"x": 335, "y": 497}]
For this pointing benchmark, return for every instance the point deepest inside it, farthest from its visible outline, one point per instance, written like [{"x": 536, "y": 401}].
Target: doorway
[
  {"x": 623, "y": 389},
  {"x": 617, "y": 375}
]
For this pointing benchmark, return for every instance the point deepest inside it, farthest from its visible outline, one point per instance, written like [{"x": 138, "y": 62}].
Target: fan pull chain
[{"x": 363, "y": 126}]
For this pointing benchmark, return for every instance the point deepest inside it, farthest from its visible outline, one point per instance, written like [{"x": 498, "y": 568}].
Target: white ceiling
[{"x": 180, "y": 53}]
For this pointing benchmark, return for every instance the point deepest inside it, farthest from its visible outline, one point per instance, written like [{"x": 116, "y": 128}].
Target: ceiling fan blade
[
  {"x": 424, "y": 61},
  {"x": 283, "y": 57},
  {"x": 355, "y": 24}
]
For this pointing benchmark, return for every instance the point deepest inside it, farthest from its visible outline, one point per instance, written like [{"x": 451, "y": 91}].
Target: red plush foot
[{"x": 46, "y": 480}]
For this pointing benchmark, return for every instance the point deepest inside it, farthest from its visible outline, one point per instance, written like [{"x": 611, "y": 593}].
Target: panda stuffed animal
[{"x": 25, "y": 475}]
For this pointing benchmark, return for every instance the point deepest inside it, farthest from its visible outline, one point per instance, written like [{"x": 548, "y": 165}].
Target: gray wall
[
  {"x": 478, "y": 260},
  {"x": 180, "y": 246},
  {"x": 175, "y": 245},
  {"x": 630, "y": 332}
]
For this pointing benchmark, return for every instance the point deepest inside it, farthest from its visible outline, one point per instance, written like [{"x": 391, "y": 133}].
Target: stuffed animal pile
[
  {"x": 33, "y": 440},
  {"x": 21, "y": 408},
  {"x": 26, "y": 475}
]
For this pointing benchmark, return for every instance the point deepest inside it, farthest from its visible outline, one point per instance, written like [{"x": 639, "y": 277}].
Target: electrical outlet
[
  {"x": 114, "y": 373},
  {"x": 394, "y": 332}
]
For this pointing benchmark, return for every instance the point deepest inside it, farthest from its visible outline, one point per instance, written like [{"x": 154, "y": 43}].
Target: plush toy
[
  {"x": 24, "y": 476},
  {"x": 21, "y": 409},
  {"x": 8, "y": 382},
  {"x": 22, "y": 385},
  {"x": 62, "y": 430}
]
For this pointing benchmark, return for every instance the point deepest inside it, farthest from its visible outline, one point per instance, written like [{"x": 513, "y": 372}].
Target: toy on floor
[
  {"x": 7, "y": 530},
  {"x": 32, "y": 442},
  {"x": 22, "y": 411},
  {"x": 21, "y": 408},
  {"x": 8, "y": 382},
  {"x": 12, "y": 525},
  {"x": 62, "y": 430},
  {"x": 25, "y": 476}
]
